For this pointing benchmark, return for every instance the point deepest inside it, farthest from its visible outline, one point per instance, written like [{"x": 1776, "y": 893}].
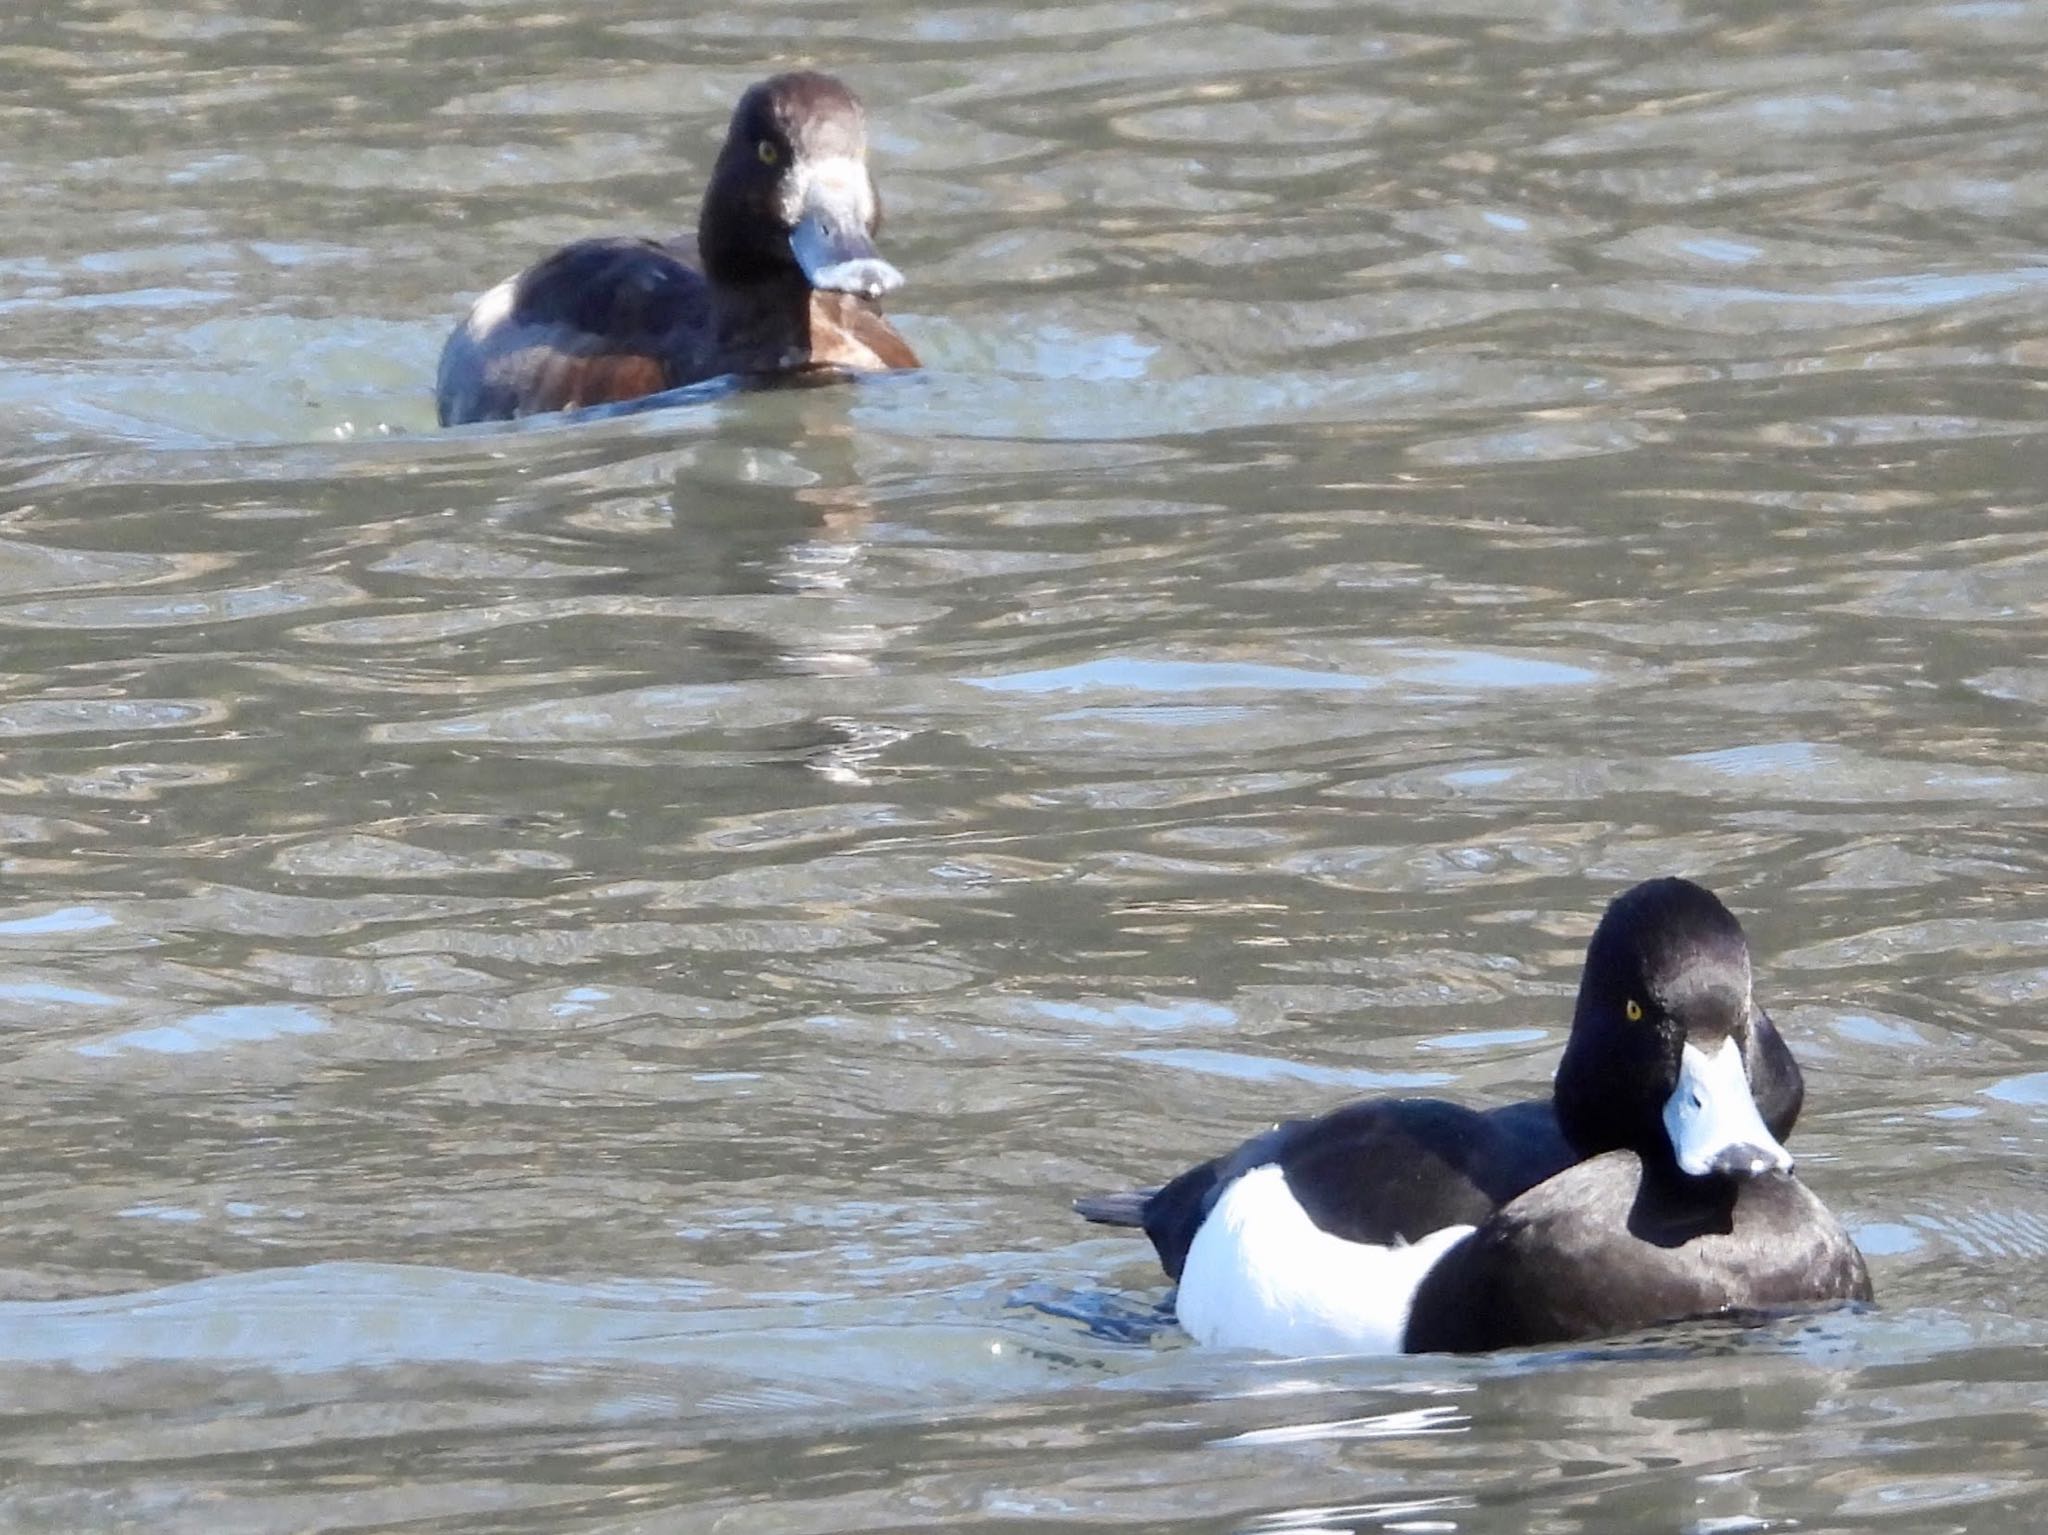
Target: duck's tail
[{"x": 1125, "y": 1209}]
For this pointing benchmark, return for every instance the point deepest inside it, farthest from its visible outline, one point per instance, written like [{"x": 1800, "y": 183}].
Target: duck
[
  {"x": 783, "y": 280},
  {"x": 1652, "y": 1187}
]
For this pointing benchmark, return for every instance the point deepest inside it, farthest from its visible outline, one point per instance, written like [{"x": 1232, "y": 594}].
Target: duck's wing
[
  {"x": 597, "y": 321},
  {"x": 1395, "y": 1170},
  {"x": 1381, "y": 1172}
]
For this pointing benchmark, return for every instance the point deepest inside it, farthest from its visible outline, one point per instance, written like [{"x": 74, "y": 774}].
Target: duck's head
[
  {"x": 1669, "y": 1056},
  {"x": 791, "y": 194}
]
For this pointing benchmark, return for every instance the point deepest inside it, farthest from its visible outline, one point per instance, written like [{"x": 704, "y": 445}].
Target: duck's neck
[
  {"x": 763, "y": 326},
  {"x": 1592, "y": 1118}
]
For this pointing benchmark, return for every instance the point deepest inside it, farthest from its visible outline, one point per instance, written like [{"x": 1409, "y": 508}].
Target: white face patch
[
  {"x": 839, "y": 182},
  {"x": 491, "y": 310},
  {"x": 831, "y": 205},
  {"x": 1712, "y": 1119},
  {"x": 1262, "y": 1275}
]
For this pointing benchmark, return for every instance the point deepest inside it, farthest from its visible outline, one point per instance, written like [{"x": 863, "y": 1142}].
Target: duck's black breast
[
  {"x": 597, "y": 321},
  {"x": 1379, "y": 1172},
  {"x": 1608, "y": 1246}
]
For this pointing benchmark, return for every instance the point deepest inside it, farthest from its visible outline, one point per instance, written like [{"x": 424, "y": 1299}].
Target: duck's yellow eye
[
  {"x": 1634, "y": 1010},
  {"x": 767, "y": 151}
]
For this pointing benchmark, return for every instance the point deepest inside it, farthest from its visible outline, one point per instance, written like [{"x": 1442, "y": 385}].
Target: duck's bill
[
  {"x": 831, "y": 244},
  {"x": 1712, "y": 1118}
]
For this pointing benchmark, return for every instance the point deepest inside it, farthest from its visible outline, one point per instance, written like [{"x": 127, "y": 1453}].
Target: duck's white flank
[
  {"x": 492, "y": 309},
  {"x": 1260, "y": 1274}
]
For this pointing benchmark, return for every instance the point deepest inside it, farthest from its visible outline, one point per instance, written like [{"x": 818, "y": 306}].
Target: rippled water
[{"x": 561, "y": 979}]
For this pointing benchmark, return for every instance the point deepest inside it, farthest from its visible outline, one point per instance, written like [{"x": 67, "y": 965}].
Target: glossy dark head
[
  {"x": 790, "y": 198},
  {"x": 1669, "y": 1057}
]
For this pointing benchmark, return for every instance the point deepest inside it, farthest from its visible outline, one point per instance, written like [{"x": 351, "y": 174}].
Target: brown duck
[{"x": 783, "y": 277}]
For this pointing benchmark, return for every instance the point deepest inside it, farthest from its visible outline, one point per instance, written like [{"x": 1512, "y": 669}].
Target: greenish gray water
[{"x": 561, "y": 979}]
